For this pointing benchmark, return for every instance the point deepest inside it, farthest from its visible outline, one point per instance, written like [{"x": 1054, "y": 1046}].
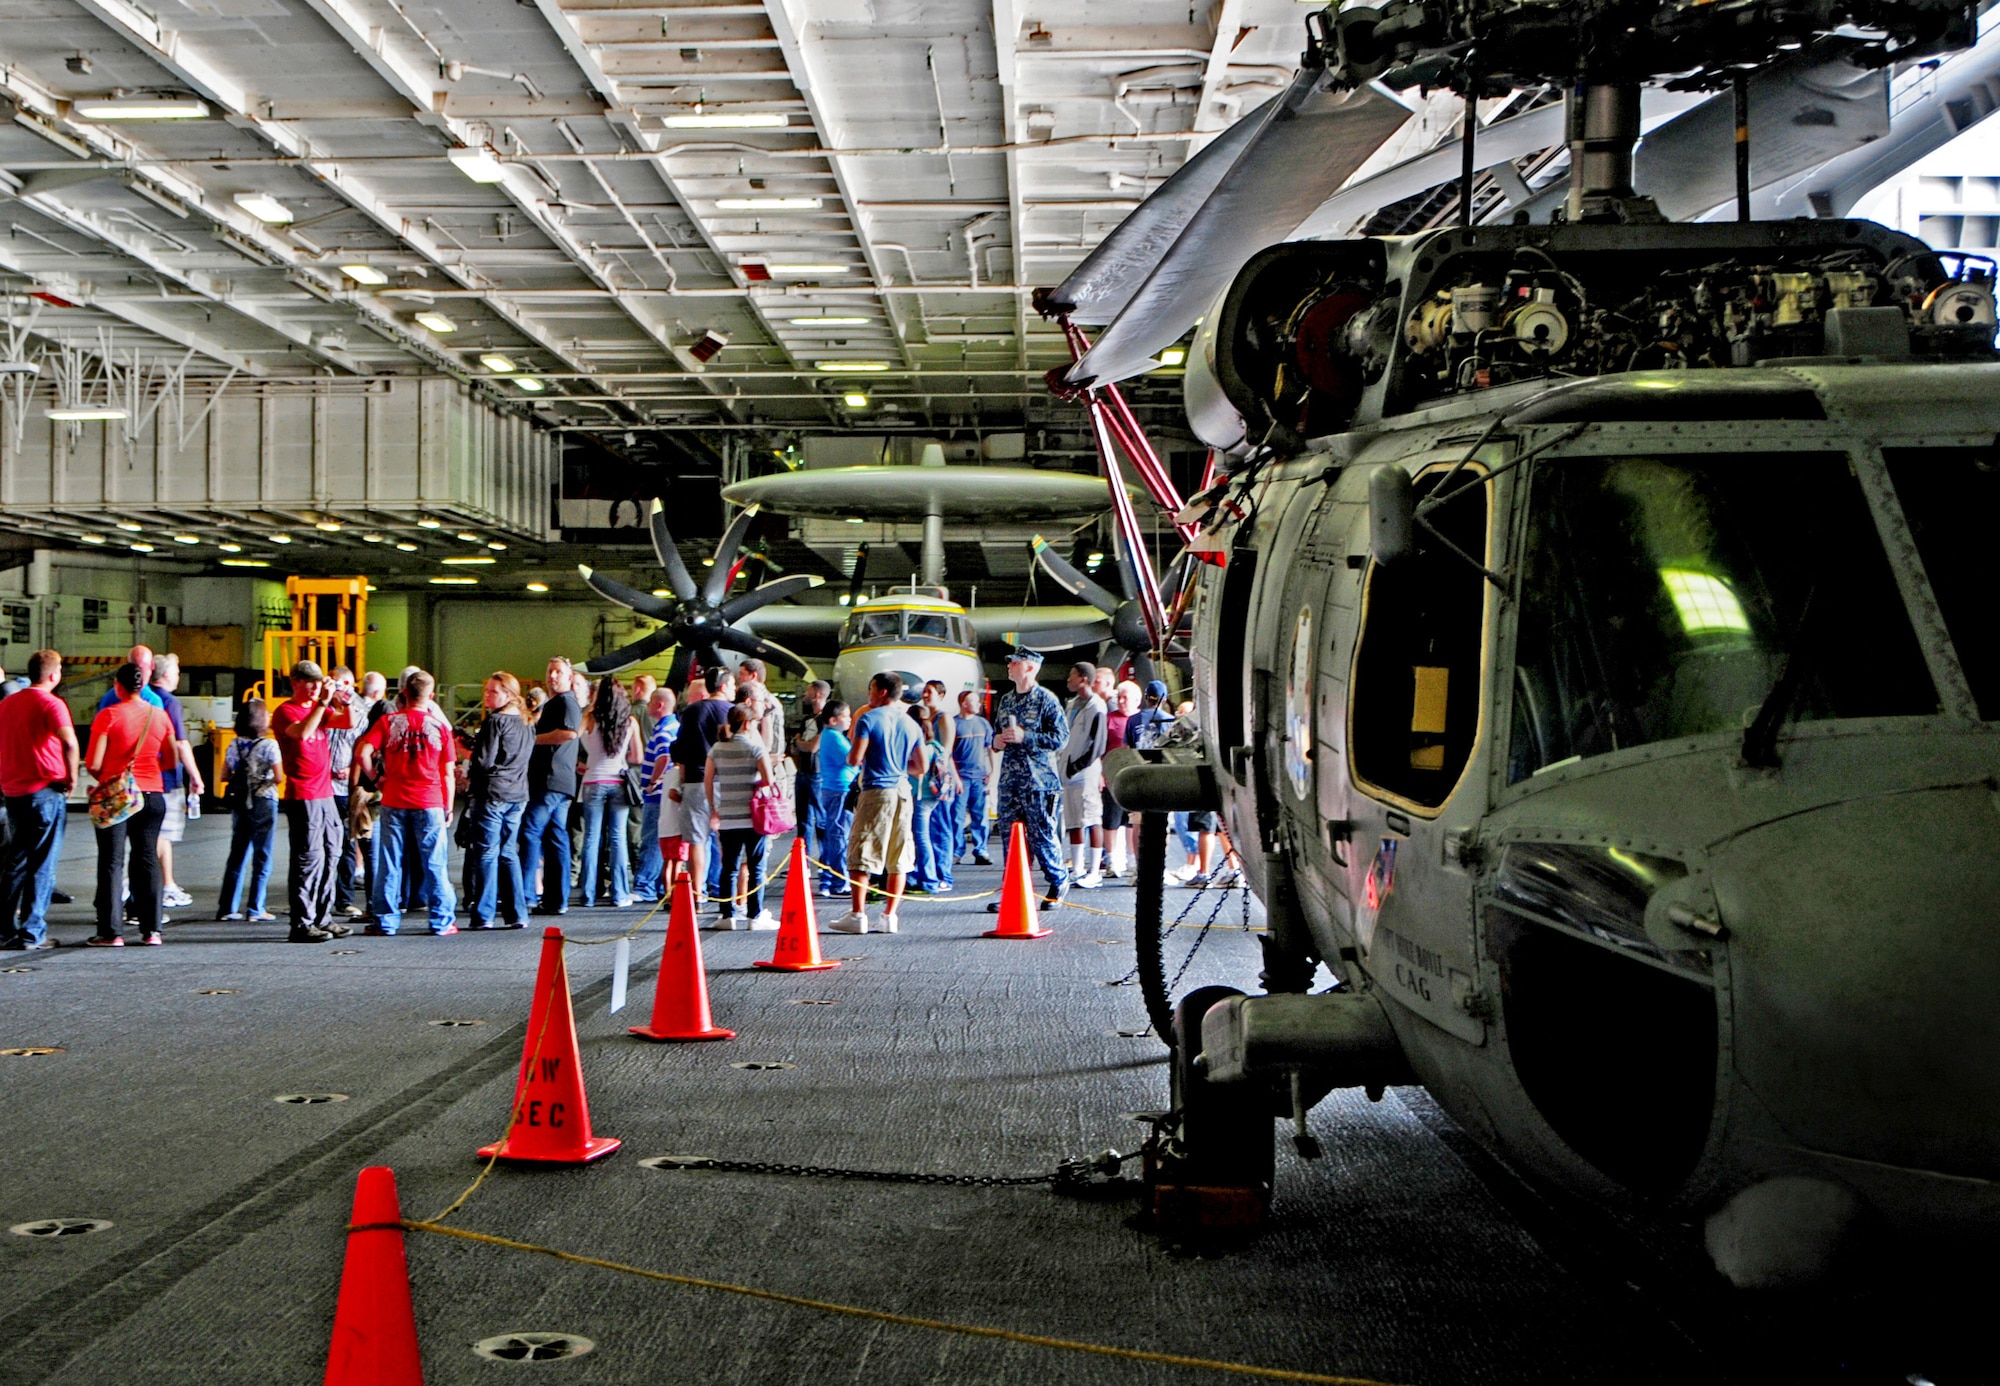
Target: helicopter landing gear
[{"x": 1209, "y": 1163}]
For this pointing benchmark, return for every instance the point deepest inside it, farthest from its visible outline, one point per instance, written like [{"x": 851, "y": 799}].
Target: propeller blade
[
  {"x": 1307, "y": 143},
  {"x": 1128, "y": 576},
  {"x": 678, "y": 580},
  {"x": 1060, "y": 637},
  {"x": 854, "y": 579},
  {"x": 677, "y": 676},
  {"x": 743, "y": 642},
  {"x": 1108, "y": 277},
  {"x": 736, "y": 608},
  {"x": 716, "y": 583},
  {"x": 645, "y": 603},
  {"x": 633, "y": 653},
  {"x": 1070, "y": 580}
]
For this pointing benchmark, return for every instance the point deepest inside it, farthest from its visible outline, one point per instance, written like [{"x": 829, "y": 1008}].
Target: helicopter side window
[
  {"x": 1415, "y": 710},
  {"x": 928, "y": 626},
  {"x": 1951, "y": 497},
  {"x": 1660, "y": 597}
]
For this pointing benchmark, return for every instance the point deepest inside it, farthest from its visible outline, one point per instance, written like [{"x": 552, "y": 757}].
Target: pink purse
[{"x": 767, "y": 812}]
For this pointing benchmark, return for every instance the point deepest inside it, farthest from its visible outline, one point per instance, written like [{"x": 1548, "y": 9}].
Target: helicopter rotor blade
[
  {"x": 716, "y": 583},
  {"x": 854, "y": 579},
  {"x": 631, "y": 654},
  {"x": 678, "y": 581},
  {"x": 743, "y": 642},
  {"x": 1071, "y": 580},
  {"x": 645, "y": 603},
  {"x": 1307, "y": 142},
  {"x": 736, "y": 608}
]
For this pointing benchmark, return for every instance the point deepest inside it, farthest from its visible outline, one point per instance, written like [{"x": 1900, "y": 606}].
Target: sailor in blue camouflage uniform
[{"x": 1030, "y": 728}]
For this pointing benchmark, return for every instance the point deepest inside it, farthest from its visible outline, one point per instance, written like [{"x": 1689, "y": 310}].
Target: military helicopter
[{"x": 1594, "y": 678}]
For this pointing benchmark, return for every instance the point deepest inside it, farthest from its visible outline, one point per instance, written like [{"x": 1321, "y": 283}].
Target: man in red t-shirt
[
  {"x": 300, "y": 724},
  {"x": 414, "y": 750},
  {"x": 38, "y": 764}
]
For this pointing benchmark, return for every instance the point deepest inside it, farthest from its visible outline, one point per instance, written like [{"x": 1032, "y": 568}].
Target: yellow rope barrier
[{"x": 1009, "y": 1335}]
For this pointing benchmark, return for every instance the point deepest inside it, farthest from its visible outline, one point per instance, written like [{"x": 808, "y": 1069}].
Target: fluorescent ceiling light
[
  {"x": 142, "y": 548},
  {"x": 91, "y": 538},
  {"x": 829, "y": 320},
  {"x": 808, "y": 269},
  {"x": 855, "y": 399},
  {"x": 230, "y": 548},
  {"x": 430, "y": 524},
  {"x": 468, "y": 537},
  {"x": 662, "y": 592},
  {"x": 264, "y": 207},
  {"x": 281, "y": 538},
  {"x": 453, "y": 581},
  {"x": 495, "y": 544},
  {"x": 436, "y": 322},
  {"x": 364, "y": 274},
  {"x": 129, "y": 527},
  {"x": 851, "y": 367},
  {"x": 478, "y": 164},
  {"x": 768, "y": 204},
  {"x": 85, "y": 415},
  {"x": 371, "y": 538},
  {"x": 142, "y": 108},
  {"x": 1173, "y": 356},
  {"x": 246, "y": 563},
  {"x": 728, "y": 120},
  {"x": 529, "y": 383},
  {"x": 328, "y": 526},
  {"x": 498, "y": 364},
  {"x": 406, "y": 548},
  {"x": 482, "y": 558},
  {"x": 538, "y": 587},
  {"x": 187, "y": 538}
]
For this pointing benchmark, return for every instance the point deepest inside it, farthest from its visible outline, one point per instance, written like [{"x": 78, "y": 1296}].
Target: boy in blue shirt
[{"x": 832, "y": 778}]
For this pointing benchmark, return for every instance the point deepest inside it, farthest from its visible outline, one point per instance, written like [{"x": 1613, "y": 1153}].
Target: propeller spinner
[{"x": 698, "y": 619}]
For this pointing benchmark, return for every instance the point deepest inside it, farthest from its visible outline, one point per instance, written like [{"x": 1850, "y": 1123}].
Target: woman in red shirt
[{"x": 130, "y": 735}]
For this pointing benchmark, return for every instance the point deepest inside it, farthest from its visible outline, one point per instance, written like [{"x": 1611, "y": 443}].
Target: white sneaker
[
  {"x": 176, "y": 898},
  {"x": 853, "y": 922},
  {"x": 886, "y": 924},
  {"x": 1114, "y": 873},
  {"x": 1090, "y": 882},
  {"x": 727, "y": 923},
  {"x": 763, "y": 923}
]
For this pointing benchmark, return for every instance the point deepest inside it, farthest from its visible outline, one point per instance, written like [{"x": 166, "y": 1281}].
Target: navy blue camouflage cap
[{"x": 1023, "y": 652}]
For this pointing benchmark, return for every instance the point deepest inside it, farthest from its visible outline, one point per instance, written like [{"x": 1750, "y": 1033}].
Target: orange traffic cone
[
  {"x": 680, "y": 1002},
  {"x": 551, "y": 1118},
  {"x": 798, "y": 930},
  {"x": 1017, "y": 895},
  {"x": 374, "y": 1327}
]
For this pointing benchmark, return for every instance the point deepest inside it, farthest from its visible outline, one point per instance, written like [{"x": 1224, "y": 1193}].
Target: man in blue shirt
[
  {"x": 889, "y": 748},
  {"x": 972, "y": 754},
  {"x": 650, "y": 884}
]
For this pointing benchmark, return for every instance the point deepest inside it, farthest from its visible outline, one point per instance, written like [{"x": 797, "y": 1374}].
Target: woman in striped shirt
[{"x": 737, "y": 767}]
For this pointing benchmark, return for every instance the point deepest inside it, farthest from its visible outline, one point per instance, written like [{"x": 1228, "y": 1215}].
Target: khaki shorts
[
  {"x": 1083, "y": 800},
  {"x": 174, "y": 826},
  {"x": 879, "y": 842}
]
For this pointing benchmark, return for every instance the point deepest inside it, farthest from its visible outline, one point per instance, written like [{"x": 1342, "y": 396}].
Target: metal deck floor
[{"x": 1403, "y": 1256}]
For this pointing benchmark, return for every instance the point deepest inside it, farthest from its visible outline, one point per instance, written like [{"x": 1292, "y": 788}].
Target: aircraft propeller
[
  {"x": 700, "y": 619},
  {"x": 1127, "y": 627}
]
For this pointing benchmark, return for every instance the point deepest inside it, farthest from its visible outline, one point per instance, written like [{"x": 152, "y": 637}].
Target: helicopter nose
[{"x": 1864, "y": 974}]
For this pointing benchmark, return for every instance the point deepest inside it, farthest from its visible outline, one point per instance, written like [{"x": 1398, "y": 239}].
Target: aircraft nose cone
[{"x": 1864, "y": 975}]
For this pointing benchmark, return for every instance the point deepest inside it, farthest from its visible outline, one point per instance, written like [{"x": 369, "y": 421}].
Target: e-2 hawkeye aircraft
[{"x": 1595, "y": 679}]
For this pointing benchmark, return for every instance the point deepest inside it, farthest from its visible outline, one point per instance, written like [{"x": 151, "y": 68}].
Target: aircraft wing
[{"x": 1024, "y": 623}]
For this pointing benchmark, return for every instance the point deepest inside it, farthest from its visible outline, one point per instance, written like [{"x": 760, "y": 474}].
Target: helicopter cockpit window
[
  {"x": 925, "y": 625},
  {"x": 1951, "y": 497},
  {"x": 1415, "y": 713},
  {"x": 1660, "y": 597}
]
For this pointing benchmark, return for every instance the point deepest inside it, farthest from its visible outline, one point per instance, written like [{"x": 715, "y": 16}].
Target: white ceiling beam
[
  {"x": 1006, "y": 29},
  {"x": 1208, "y": 117}
]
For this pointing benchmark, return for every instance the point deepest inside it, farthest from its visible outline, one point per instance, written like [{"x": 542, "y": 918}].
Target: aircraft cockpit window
[
  {"x": 1661, "y": 596},
  {"x": 926, "y": 625},
  {"x": 876, "y": 625},
  {"x": 1951, "y": 497},
  {"x": 1415, "y": 711}
]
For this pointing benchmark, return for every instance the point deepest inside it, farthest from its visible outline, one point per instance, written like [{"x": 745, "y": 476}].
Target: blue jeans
[
  {"x": 253, "y": 830},
  {"x": 599, "y": 802},
  {"x": 970, "y": 830},
  {"x": 944, "y": 834},
  {"x": 1177, "y": 824},
  {"x": 831, "y": 818},
  {"x": 546, "y": 820},
  {"x": 804, "y": 791},
  {"x": 649, "y": 883},
  {"x": 493, "y": 864},
  {"x": 36, "y": 822},
  {"x": 925, "y": 877},
  {"x": 415, "y": 837}
]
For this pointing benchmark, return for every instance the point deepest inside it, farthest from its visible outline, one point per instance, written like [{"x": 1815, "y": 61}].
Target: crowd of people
[{"x": 576, "y": 791}]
